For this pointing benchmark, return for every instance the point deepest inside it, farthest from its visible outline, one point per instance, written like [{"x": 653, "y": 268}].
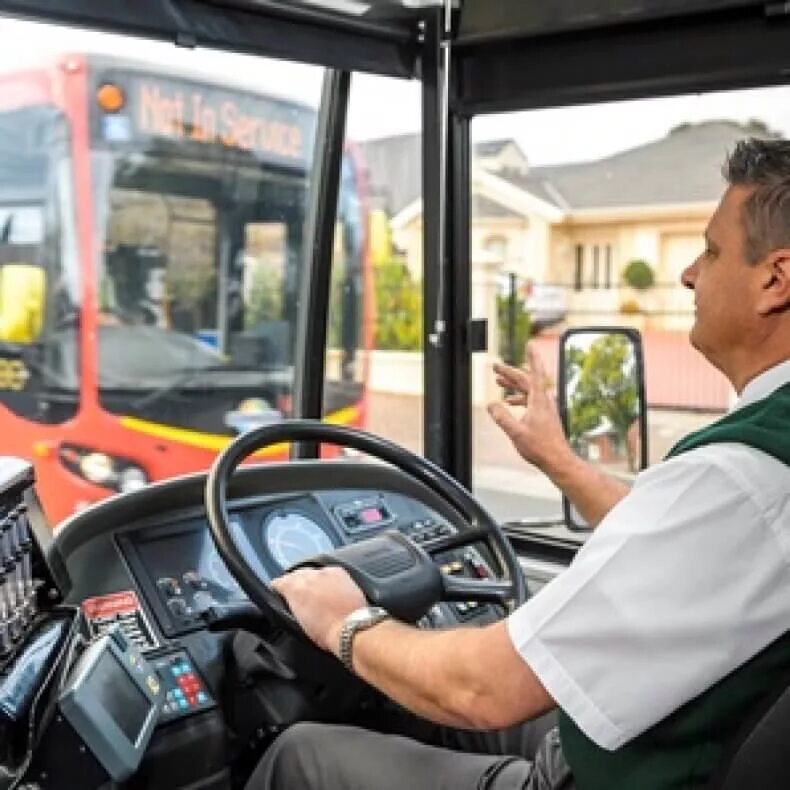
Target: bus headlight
[
  {"x": 97, "y": 468},
  {"x": 132, "y": 479},
  {"x": 103, "y": 469}
]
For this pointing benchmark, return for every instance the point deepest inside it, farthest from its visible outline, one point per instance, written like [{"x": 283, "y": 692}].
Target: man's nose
[{"x": 689, "y": 275}]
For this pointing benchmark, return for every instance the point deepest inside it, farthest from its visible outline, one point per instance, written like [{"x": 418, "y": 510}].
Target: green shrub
[
  {"x": 639, "y": 274},
  {"x": 522, "y": 332},
  {"x": 398, "y": 308}
]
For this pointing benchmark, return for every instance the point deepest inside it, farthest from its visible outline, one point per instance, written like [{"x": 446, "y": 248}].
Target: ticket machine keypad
[{"x": 185, "y": 691}]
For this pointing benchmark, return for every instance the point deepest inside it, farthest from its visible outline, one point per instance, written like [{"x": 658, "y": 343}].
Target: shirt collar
[{"x": 763, "y": 385}]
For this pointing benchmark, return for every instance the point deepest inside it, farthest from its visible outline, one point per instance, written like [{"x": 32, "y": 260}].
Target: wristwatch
[{"x": 358, "y": 620}]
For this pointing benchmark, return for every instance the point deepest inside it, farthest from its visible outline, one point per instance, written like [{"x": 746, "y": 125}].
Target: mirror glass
[{"x": 602, "y": 402}]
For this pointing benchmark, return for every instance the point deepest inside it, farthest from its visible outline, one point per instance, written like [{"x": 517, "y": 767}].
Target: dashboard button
[
  {"x": 194, "y": 580},
  {"x": 169, "y": 586}
]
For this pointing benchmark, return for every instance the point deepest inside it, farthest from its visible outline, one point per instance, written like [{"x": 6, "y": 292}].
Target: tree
[
  {"x": 521, "y": 332},
  {"x": 398, "y": 307},
  {"x": 265, "y": 299},
  {"x": 603, "y": 391}
]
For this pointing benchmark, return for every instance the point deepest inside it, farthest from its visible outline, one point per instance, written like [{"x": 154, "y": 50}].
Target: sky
[{"x": 382, "y": 106}]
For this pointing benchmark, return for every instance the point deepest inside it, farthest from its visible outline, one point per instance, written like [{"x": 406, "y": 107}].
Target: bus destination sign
[{"x": 276, "y": 130}]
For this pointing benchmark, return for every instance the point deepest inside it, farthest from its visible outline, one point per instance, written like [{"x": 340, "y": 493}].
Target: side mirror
[
  {"x": 601, "y": 394},
  {"x": 22, "y": 293}
]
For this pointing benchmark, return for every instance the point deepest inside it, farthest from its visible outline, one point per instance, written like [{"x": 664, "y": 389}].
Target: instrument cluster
[{"x": 182, "y": 575}]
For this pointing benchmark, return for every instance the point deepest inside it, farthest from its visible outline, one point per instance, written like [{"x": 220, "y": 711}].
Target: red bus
[{"x": 150, "y": 260}]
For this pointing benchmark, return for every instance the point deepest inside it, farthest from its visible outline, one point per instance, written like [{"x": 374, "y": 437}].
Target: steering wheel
[{"x": 391, "y": 570}]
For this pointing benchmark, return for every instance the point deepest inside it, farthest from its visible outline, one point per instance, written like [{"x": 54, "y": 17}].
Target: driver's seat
[{"x": 761, "y": 756}]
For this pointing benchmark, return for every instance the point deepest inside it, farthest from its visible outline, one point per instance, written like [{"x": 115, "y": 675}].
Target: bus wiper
[{"x": 187, "y": 376}]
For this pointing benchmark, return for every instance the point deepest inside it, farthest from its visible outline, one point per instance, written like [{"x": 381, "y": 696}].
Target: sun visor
[
  {"x": 345, "y": 34},
  {"x": 483, "y": 20}
]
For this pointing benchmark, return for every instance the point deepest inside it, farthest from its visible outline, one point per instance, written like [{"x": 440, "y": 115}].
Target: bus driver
[{"x": 672, "y": 621}]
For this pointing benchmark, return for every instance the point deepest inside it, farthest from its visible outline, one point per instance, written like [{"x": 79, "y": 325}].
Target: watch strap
[{"x": 357, "y": 621}]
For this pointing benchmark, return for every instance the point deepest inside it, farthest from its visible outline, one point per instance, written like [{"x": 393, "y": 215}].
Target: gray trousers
[{"x": 311, "y": 756}]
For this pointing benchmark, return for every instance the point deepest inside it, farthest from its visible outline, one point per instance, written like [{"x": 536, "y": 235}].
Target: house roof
[
  {"x": 483, "y": 206},
  {"x": 493, "y": 147},
  {"x": 683, "y": 167},
  {"x": 394, "y": 171}
]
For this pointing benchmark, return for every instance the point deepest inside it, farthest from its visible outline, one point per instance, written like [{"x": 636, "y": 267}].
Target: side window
[
  {"x": 605, "y": 236},
  {"x": 374, "y": 365},
  {"x": 39, "y": 283}
]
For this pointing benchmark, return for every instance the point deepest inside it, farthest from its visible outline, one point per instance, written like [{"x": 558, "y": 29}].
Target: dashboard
[
  {"x": 145, "y": 563},
  {"x": 181, "y": 575}
]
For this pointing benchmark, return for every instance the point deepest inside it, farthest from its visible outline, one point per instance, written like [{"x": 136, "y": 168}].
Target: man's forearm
[
  {"x": 593, "y": 492},
  {"x": 464, "y": 677}
]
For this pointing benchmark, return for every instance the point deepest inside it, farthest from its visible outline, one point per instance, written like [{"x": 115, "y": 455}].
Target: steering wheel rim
[{"x": 418, "y": 468}]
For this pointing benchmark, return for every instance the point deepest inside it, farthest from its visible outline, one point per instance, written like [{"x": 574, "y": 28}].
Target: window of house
[
  {"x": 596, "y": 254},
  {"x": 608, "y": 267},
  {"x": 578, "y": 279},
  {"x": 497, "y": 246}
]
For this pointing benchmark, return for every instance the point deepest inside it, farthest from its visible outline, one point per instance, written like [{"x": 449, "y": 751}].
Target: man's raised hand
[{"x": 537, "y": 433}]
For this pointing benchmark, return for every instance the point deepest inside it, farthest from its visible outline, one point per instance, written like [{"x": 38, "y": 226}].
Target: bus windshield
[
  {"x": 198, "y": 279},
  {"x": 196, "y": 288}
]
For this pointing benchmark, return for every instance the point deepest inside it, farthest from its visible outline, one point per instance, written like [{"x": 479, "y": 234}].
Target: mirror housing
[
  {"x": 602, "y": 403},
  {"x": 22, "y": 295}
]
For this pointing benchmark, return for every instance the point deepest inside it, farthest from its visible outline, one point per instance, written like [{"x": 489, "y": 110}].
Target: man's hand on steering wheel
[{"x": 321, "y": 599}]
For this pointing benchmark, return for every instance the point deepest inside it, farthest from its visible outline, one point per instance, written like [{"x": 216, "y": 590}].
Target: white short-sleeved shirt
[{"x": 684, "y": 580}]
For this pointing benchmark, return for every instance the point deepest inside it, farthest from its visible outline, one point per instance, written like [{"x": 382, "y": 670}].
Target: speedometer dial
[{"x": 292, "y": 537}]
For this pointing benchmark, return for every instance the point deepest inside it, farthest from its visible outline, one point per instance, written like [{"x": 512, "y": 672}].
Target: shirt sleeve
[{"x": 683, "y": 581}]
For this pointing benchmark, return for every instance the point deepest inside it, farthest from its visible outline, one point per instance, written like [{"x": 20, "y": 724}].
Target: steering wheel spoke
[
  {"x": 460, "y": 538},
  {"x": 460, "y": 588}
]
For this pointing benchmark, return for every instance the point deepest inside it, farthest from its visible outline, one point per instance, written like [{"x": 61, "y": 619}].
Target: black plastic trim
[
  {"x": 698, "y": 53},
  {"x": 321, "y": 38},
  {"x": 316, "y": 273}
]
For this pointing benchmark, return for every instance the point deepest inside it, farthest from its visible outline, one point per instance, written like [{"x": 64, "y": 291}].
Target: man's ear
[{"x": 775, "y": 283}]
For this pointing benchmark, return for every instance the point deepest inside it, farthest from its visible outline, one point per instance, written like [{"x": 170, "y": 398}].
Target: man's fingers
[
  {"x": 535, "y": 362},
  {"x": 504, "y": 419},
  {"x": 513, "y": 378}
]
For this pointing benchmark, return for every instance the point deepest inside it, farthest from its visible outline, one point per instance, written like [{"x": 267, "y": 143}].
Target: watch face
[{"x": 366, "y": 615}]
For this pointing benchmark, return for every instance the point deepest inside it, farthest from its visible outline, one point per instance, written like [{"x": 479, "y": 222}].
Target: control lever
[{"x": 243, "y": 615}]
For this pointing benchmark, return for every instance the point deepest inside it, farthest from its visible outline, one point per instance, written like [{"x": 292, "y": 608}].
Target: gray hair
[{"x": 764, "y": 165}]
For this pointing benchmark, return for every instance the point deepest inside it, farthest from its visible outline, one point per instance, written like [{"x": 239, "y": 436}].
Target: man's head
[{"x": 742, "y": 278}]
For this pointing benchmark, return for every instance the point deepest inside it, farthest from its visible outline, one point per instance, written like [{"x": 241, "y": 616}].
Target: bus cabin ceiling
[{"x": 508, "y": 54}]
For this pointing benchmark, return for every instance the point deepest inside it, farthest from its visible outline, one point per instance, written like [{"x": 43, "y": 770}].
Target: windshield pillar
[
  {"x": 317, "y": 252},
  {"x": 447, "y": 273}
]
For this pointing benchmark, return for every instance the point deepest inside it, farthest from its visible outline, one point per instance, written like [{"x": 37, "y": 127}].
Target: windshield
[{"x": 197, "y": 286}]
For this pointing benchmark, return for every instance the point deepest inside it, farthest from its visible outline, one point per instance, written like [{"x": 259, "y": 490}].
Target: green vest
[{"x": 684, "y": 749}]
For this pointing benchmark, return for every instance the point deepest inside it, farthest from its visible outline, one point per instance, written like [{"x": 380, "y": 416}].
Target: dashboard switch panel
[
  {"x": 184, "y": 689},
  {"x": 364, "y": 514},
  {"x": 122, "y": 609}
]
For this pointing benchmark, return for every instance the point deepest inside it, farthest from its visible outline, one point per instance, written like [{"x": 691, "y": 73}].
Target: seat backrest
[{"x": 762, "y": 755}]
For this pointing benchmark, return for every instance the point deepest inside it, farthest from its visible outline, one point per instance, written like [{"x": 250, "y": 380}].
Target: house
[{"x": 578, "y": 225}]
